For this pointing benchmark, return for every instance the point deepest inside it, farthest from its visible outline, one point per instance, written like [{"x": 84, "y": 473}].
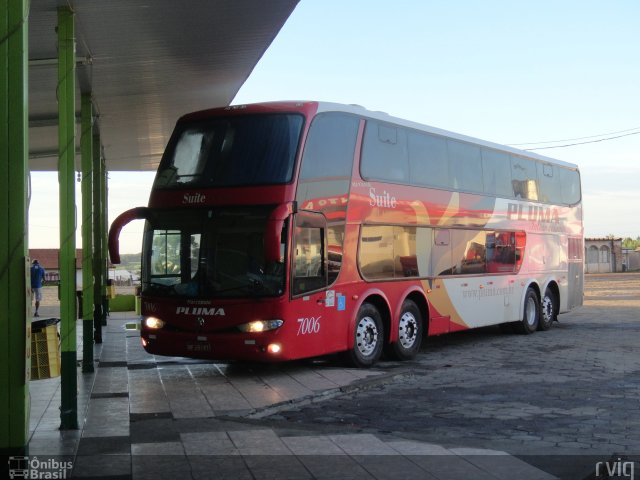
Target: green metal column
[
  {"x": 15, "y": 304},
  {"x": 86, "y": 149},
  {"x": 104, "y": 219},
  {"x": 66, "y": 173},
  {"x": 98, "y": 238}
]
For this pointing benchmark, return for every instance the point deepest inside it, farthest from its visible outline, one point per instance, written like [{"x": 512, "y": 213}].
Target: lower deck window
[{"x": 394, "y": 252}]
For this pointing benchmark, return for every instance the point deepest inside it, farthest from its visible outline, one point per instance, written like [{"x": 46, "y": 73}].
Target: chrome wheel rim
[
  {"x": 530, "y": 312},
  {"x": 366, "y": 336},
  {"x": 407, "y": 330}
]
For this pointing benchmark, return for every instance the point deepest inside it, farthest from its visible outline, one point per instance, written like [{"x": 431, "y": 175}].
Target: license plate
[{"x": 199, "y": 347}]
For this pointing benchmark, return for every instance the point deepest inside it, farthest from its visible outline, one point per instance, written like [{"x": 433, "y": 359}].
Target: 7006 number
[{"x": 309, "y": 325}]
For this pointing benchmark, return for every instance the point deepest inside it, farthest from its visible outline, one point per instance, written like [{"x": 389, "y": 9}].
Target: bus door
[{"x": 309, "y": 279}]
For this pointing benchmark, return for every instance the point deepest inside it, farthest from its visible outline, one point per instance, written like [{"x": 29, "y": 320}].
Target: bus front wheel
[
  {"x": 409, "y": 339},
  {"x": 368, "y": 337},
  {"x": 531, "y": 315}
]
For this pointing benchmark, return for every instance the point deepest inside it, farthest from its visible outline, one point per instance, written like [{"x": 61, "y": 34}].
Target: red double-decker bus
[{"x": 280, "y": 231}]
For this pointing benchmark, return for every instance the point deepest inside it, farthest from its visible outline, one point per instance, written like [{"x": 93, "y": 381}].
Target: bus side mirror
[
  {"x": 138, "y": 213},
  {"x": 273, "y": 232}
]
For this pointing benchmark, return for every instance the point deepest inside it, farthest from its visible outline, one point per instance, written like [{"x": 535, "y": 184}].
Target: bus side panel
[
  {"x": 546, "y": 253},
  {"x": 576, "y": 285},
  {"x": 481, "y": 301},
  {"x": 316, "y": 323}
]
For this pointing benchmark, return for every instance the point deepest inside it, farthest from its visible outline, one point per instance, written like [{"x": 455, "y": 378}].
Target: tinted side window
[
  {"x": 384, "y": 153},
  {"x": 330, "y": 145},
  {"x": 404, "y": 252},
  {"x": 501, "y": 252},
  {"x": 441, "y": 253},
  {"x": 388, "y": 252},
  {"x": 406, "y": 156},
  {"x": 428, "y": 161},
  {"x": 469, "y": 251},
  {"x": 550, "y": 183},
  {"x": 465, "y": 166},
  {"x": 570, "y": 180},
  {"x": 308, "y": 268},
  {"x": 524, "y": 178},
  {"x": 496, "y": 172},
  {"x": 376, "y": 252},
  {"x": 324, "y": 178},
  {"x": 335, "y": 241}
]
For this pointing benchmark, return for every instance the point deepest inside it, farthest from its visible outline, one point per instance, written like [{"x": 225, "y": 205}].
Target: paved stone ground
[
  {"x": 151, "y": 417},
  {"x": 556, "y": 402},
  {"x": 553, "y": 397}
]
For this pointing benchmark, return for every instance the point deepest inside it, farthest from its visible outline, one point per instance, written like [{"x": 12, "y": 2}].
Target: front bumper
[{"x": 216, "y": 346}]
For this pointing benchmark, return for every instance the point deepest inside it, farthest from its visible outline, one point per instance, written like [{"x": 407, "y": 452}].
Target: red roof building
[{"x": 49, "y": 258}]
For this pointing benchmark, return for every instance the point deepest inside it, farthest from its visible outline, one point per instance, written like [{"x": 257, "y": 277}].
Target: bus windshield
[
  {"x": 210, "y": 253},
  {"x": 232, "y": 151}
]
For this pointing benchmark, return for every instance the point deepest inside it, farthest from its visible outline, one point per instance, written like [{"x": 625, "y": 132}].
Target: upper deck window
[
  {"x": 384, "y": 153},
  {"x": 570, "y": 180},
  {"x": 465, "y": 166},
  {"x": 232, "y": 151},
  {"x": 496, "y": 171},
  {"x": 524, "y": 178},
  {"x": 330, "y": 145},
  {"x": 405, "y": 156}
]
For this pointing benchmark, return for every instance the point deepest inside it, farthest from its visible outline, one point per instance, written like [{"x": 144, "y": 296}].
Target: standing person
[{"x": 37, "y": 279}]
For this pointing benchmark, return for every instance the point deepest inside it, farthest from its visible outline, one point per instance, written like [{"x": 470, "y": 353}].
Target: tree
[{"x": 631, "y": 243}]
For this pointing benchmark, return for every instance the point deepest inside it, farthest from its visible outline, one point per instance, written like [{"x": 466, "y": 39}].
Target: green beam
[
  {"x": 15, "y": 305},
  {"x": 66, "y": 173},
  {"x": 86, "y": 149},
  {"x": 98, "y": 237}
]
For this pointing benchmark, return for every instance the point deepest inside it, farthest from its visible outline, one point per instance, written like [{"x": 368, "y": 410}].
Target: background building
[
  {"x": 630, "y": 260},
  {"x": 49, "y": 258},
  {"x": 603, "y": 255}
]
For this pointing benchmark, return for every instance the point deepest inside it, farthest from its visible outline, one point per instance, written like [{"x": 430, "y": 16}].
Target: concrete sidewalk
[{"x": 143, "y": 416}]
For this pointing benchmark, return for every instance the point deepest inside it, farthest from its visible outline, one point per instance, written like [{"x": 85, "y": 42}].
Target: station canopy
[{"x": 145, "y": 62}]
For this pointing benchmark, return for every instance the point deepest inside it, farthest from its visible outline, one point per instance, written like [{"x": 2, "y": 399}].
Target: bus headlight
[
  {"x": 153, "y": 323},
  {"x": 260, "y": 326}
]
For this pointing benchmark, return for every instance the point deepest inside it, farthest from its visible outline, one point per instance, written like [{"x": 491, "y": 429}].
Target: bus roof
[{"x": 385, "y": 117}]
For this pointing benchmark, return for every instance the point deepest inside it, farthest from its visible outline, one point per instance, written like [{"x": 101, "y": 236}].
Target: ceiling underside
[{"x": 145, "y": 62}]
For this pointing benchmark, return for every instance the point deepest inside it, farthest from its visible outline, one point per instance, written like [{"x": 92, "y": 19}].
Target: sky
[{"x": 504, "y": 71}]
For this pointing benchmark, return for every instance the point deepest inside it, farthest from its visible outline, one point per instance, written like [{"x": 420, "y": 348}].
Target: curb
[{"x": 357, "y": 386}]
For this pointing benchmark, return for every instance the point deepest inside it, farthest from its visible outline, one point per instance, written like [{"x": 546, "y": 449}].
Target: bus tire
[
  {"x": 549, "y": 312},
  {"x": 531, "y": 314},
  {"x": 368, "y": 337},
  {"x": 410, "y": 328}
]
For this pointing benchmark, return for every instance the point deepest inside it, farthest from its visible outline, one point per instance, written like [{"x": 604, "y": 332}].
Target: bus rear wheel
[
  {"x": 368, "y": 337},
  {"x": 409, "y": 339},
  {"x": 549, "y": 312},
  {"x": 531, "y": 315}
]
